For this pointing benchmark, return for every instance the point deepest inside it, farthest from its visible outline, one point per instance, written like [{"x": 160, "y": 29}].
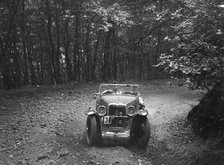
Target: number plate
[{"x": 107, "y": 120}]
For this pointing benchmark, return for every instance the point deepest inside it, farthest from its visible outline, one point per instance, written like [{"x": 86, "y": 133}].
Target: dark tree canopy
[{"x": 52, "y": 41}]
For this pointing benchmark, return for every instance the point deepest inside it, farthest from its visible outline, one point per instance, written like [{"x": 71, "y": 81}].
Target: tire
[
  {"x": 142, "y": 132},
  {"x": 91, "y": 131}
]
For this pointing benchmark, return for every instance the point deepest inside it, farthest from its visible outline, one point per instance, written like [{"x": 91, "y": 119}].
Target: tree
[
  {"x": 197, "y": 50},
  {"x": 52, "y": 41}
]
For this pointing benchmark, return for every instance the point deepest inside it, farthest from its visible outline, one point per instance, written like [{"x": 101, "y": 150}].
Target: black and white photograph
[{"x": 111, "y": 82}]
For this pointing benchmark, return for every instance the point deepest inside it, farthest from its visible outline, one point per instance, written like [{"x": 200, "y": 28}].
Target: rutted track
[{"x": 46, "y": 126}]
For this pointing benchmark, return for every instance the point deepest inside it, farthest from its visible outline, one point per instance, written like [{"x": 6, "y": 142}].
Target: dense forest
[
  {"x": 45, "y": 42},
  {"x": 77, "y": 44}
]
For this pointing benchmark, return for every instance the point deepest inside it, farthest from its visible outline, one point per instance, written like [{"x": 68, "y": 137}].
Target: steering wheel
[{"x": 107, "y": 92}]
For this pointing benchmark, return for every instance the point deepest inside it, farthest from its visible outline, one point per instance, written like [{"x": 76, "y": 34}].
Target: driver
[{"x": 115, "y": 90}]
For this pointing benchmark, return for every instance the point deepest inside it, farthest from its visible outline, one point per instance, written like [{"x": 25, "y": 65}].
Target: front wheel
[
  {"x": 91, "y": 130},
  {"x": 142, "y": 132}
]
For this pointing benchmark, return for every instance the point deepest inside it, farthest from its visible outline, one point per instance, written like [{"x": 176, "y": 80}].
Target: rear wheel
[{"x": 91, "y": 131}]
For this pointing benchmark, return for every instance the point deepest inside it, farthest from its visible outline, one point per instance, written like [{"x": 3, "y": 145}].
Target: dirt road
[{"x": 46, "y": 125}]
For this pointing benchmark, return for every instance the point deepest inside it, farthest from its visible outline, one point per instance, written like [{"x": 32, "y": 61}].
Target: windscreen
[{"x": 119, "y": 89}]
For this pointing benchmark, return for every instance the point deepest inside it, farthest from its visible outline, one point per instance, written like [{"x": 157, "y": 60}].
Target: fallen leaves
[
  {"x": 55, "y": 120},
  {"x": 63, "y": 153},
  {"x": 42, "y": 157},
  {"x": 43, "y": 125}
]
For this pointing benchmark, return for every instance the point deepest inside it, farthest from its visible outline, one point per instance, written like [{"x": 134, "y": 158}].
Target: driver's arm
[{"x": 141, "y": 103}]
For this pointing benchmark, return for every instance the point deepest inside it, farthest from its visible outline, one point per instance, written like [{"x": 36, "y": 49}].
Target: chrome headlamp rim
[
  {"x": 131, "y": 114},
  {"x": 100, "y": 113}
]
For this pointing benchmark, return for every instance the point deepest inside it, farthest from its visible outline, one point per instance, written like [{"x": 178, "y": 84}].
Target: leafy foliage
[
  {"x": 52, "y": 41},
  {"x": 198, "y": 49}
]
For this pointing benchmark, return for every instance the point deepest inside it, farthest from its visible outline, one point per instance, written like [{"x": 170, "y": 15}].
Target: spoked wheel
[
  {"x": 91, "y": 131},
  {"x": 142, "y": 132}
]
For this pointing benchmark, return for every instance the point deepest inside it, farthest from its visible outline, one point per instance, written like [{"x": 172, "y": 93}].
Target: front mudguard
[
  {"x": 142, "y": 112},
  {"x": 92, "y": 112},
  {"x": 140, "y": 116}
]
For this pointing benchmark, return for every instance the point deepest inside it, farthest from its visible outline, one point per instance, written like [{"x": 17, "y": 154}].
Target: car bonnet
[{"x": 118, "y": 99}]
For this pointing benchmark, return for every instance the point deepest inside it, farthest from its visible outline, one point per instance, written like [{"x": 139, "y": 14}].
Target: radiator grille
[{"x": 118, "y": 111}]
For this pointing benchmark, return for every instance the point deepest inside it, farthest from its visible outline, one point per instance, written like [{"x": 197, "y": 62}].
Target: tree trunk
[
  {"x": 136, "y": 61},
  {"x": 66, "y": 45},
  {"x": 93, "y": 76},
  {"x": 51, "y": 59},
  {"x": 17, "y": 66},
  {"x": 88, "y": 53},
  {"x": 149, "y": 68},
  {"x": 6, "y": 45},
  {"x": 115, "y": 65},
  {"x": 107, "y": 53},
  {"x": 26, "y": 73},
  {"x": 76, "y": 59},
  {"x": 158, "y": 47},
  {"x": 57, "y": 57},
  {"x": 114, "y": 58},
  {"x": 30, "y": 60}
]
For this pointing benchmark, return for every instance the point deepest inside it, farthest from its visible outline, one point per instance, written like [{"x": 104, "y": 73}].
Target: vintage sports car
[{"x": 119, "y": 117}]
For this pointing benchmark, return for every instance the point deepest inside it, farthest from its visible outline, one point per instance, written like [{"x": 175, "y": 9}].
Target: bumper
[{"x": 116, "y": 135}]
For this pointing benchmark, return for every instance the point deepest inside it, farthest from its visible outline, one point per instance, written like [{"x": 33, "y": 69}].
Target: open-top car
[{"x": 120, "y": 116}]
